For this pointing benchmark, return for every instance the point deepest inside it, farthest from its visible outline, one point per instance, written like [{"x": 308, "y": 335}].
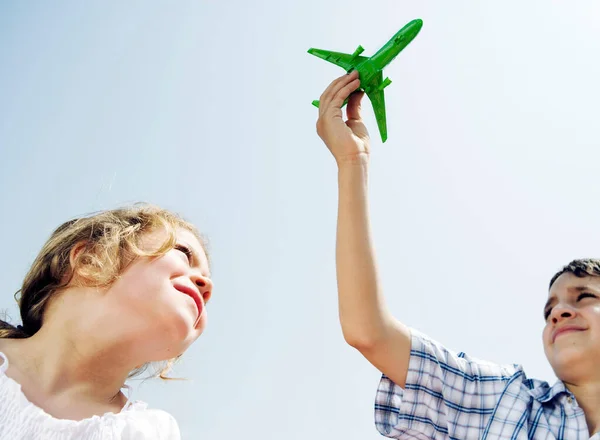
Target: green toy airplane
[{"x": 370, "y": 70}]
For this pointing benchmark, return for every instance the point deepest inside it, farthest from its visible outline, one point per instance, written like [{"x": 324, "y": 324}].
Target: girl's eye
[
  {"x": 547, "y": 314},
  {"x": 185, "y": 250}
]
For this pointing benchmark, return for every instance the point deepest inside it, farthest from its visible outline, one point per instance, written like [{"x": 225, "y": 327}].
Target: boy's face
[{"x": 572, "y": 333}]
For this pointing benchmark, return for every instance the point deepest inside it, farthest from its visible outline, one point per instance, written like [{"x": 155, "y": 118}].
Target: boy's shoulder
[{"x": 422, "y": 345}]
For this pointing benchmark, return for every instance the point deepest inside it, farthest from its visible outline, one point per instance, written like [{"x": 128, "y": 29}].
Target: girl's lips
[{"x": 193, "y": 293}]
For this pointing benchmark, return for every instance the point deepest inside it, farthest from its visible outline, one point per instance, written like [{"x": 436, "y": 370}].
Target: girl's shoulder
[{"x": 136, "y": 420}]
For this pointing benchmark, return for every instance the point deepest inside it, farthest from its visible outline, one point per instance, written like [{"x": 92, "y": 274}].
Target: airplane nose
[{"x": 415, "y": 27}]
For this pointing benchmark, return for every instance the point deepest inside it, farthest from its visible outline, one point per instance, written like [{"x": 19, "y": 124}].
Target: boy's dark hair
[{"x": 580, "y": 268}]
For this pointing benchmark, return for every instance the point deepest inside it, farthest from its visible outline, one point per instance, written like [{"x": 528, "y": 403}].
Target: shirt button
[{"x": 569, "y": 399}]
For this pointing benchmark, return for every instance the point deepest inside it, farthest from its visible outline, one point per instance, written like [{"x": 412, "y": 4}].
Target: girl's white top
[{"x": 22, "y": 420}]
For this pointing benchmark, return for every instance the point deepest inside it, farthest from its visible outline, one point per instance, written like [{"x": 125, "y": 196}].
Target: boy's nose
[{"x": 561, "y": 312}]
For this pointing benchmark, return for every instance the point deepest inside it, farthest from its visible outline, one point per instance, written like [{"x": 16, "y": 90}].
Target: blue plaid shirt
[{"x": 453, "y": 396}]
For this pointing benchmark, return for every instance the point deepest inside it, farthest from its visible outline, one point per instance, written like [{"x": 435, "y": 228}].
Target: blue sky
[{"x": 487, "y": 184}]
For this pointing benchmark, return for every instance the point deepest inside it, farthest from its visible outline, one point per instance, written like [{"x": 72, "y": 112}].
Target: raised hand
[{"x": 347, "y": 140}]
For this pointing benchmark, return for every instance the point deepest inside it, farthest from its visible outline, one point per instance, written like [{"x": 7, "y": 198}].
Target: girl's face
[{"x": 162, "y": 300}]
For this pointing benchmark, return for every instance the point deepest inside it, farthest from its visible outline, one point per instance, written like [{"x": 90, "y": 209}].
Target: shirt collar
[{"x": 544, "y": 393}]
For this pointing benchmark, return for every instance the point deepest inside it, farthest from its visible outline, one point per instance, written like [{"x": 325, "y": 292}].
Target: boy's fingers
[
  {"x": 354, "y": 107},
  {"x": 333, "y": 88},
  {"x": 329, "y": 91},
  {"x": 344, "y": 92}
]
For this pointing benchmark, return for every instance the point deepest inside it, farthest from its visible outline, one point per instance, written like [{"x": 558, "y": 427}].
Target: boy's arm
[{"x": 366, "y": 323}]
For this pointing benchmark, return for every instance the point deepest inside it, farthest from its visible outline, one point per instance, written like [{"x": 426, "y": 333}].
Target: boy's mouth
[{"x": 564, "y": 330}]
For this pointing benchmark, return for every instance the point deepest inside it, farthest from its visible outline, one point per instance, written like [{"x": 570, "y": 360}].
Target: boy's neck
[{"x": 588, "y": 398}]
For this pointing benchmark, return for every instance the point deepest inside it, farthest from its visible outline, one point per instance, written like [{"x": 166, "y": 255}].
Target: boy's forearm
[{"x": 362, "y": 310}]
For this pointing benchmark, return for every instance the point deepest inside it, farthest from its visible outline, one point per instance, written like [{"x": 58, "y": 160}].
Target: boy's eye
[
  {"x": 185, "y": 250},
  {"x": 579, "y": 298}
]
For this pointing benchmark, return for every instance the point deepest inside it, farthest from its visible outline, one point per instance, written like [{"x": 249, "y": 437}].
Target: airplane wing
[
  {"x": 344, "y": 60},
  {"x": 375, "y": 94}
]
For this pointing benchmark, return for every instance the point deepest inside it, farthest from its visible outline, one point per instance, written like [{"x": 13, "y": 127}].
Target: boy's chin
[{"x": 569, "y": 364}]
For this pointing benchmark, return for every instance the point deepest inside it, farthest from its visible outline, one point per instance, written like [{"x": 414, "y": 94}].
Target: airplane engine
[
  {"x": 386, "y": 82},
  {"x": 357, "y": 52}
]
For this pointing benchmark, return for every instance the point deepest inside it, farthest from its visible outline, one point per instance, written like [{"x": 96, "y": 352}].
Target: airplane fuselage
[
  {"x": 398, "y": 42},
  {"x": 366, "y": 71},
  {"x": 369, "y": 68}
]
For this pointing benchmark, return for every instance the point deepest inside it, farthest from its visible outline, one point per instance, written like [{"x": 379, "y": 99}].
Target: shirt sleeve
[
  {"x": 170, "y": 429},
  {"x": 446, "y": 394},
  {"x": 150, "y": 424}
]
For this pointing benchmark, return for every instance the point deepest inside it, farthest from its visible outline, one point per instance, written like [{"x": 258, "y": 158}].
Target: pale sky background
[{"x": 487, "y": 185}]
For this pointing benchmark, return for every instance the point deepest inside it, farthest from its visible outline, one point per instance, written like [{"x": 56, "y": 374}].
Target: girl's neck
[{"x": 62, "y": 368}]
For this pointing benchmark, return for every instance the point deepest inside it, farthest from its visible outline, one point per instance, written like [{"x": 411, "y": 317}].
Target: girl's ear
[
  {"x": 80, "y": 263},
  {"x": 75, "y": 252}
]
